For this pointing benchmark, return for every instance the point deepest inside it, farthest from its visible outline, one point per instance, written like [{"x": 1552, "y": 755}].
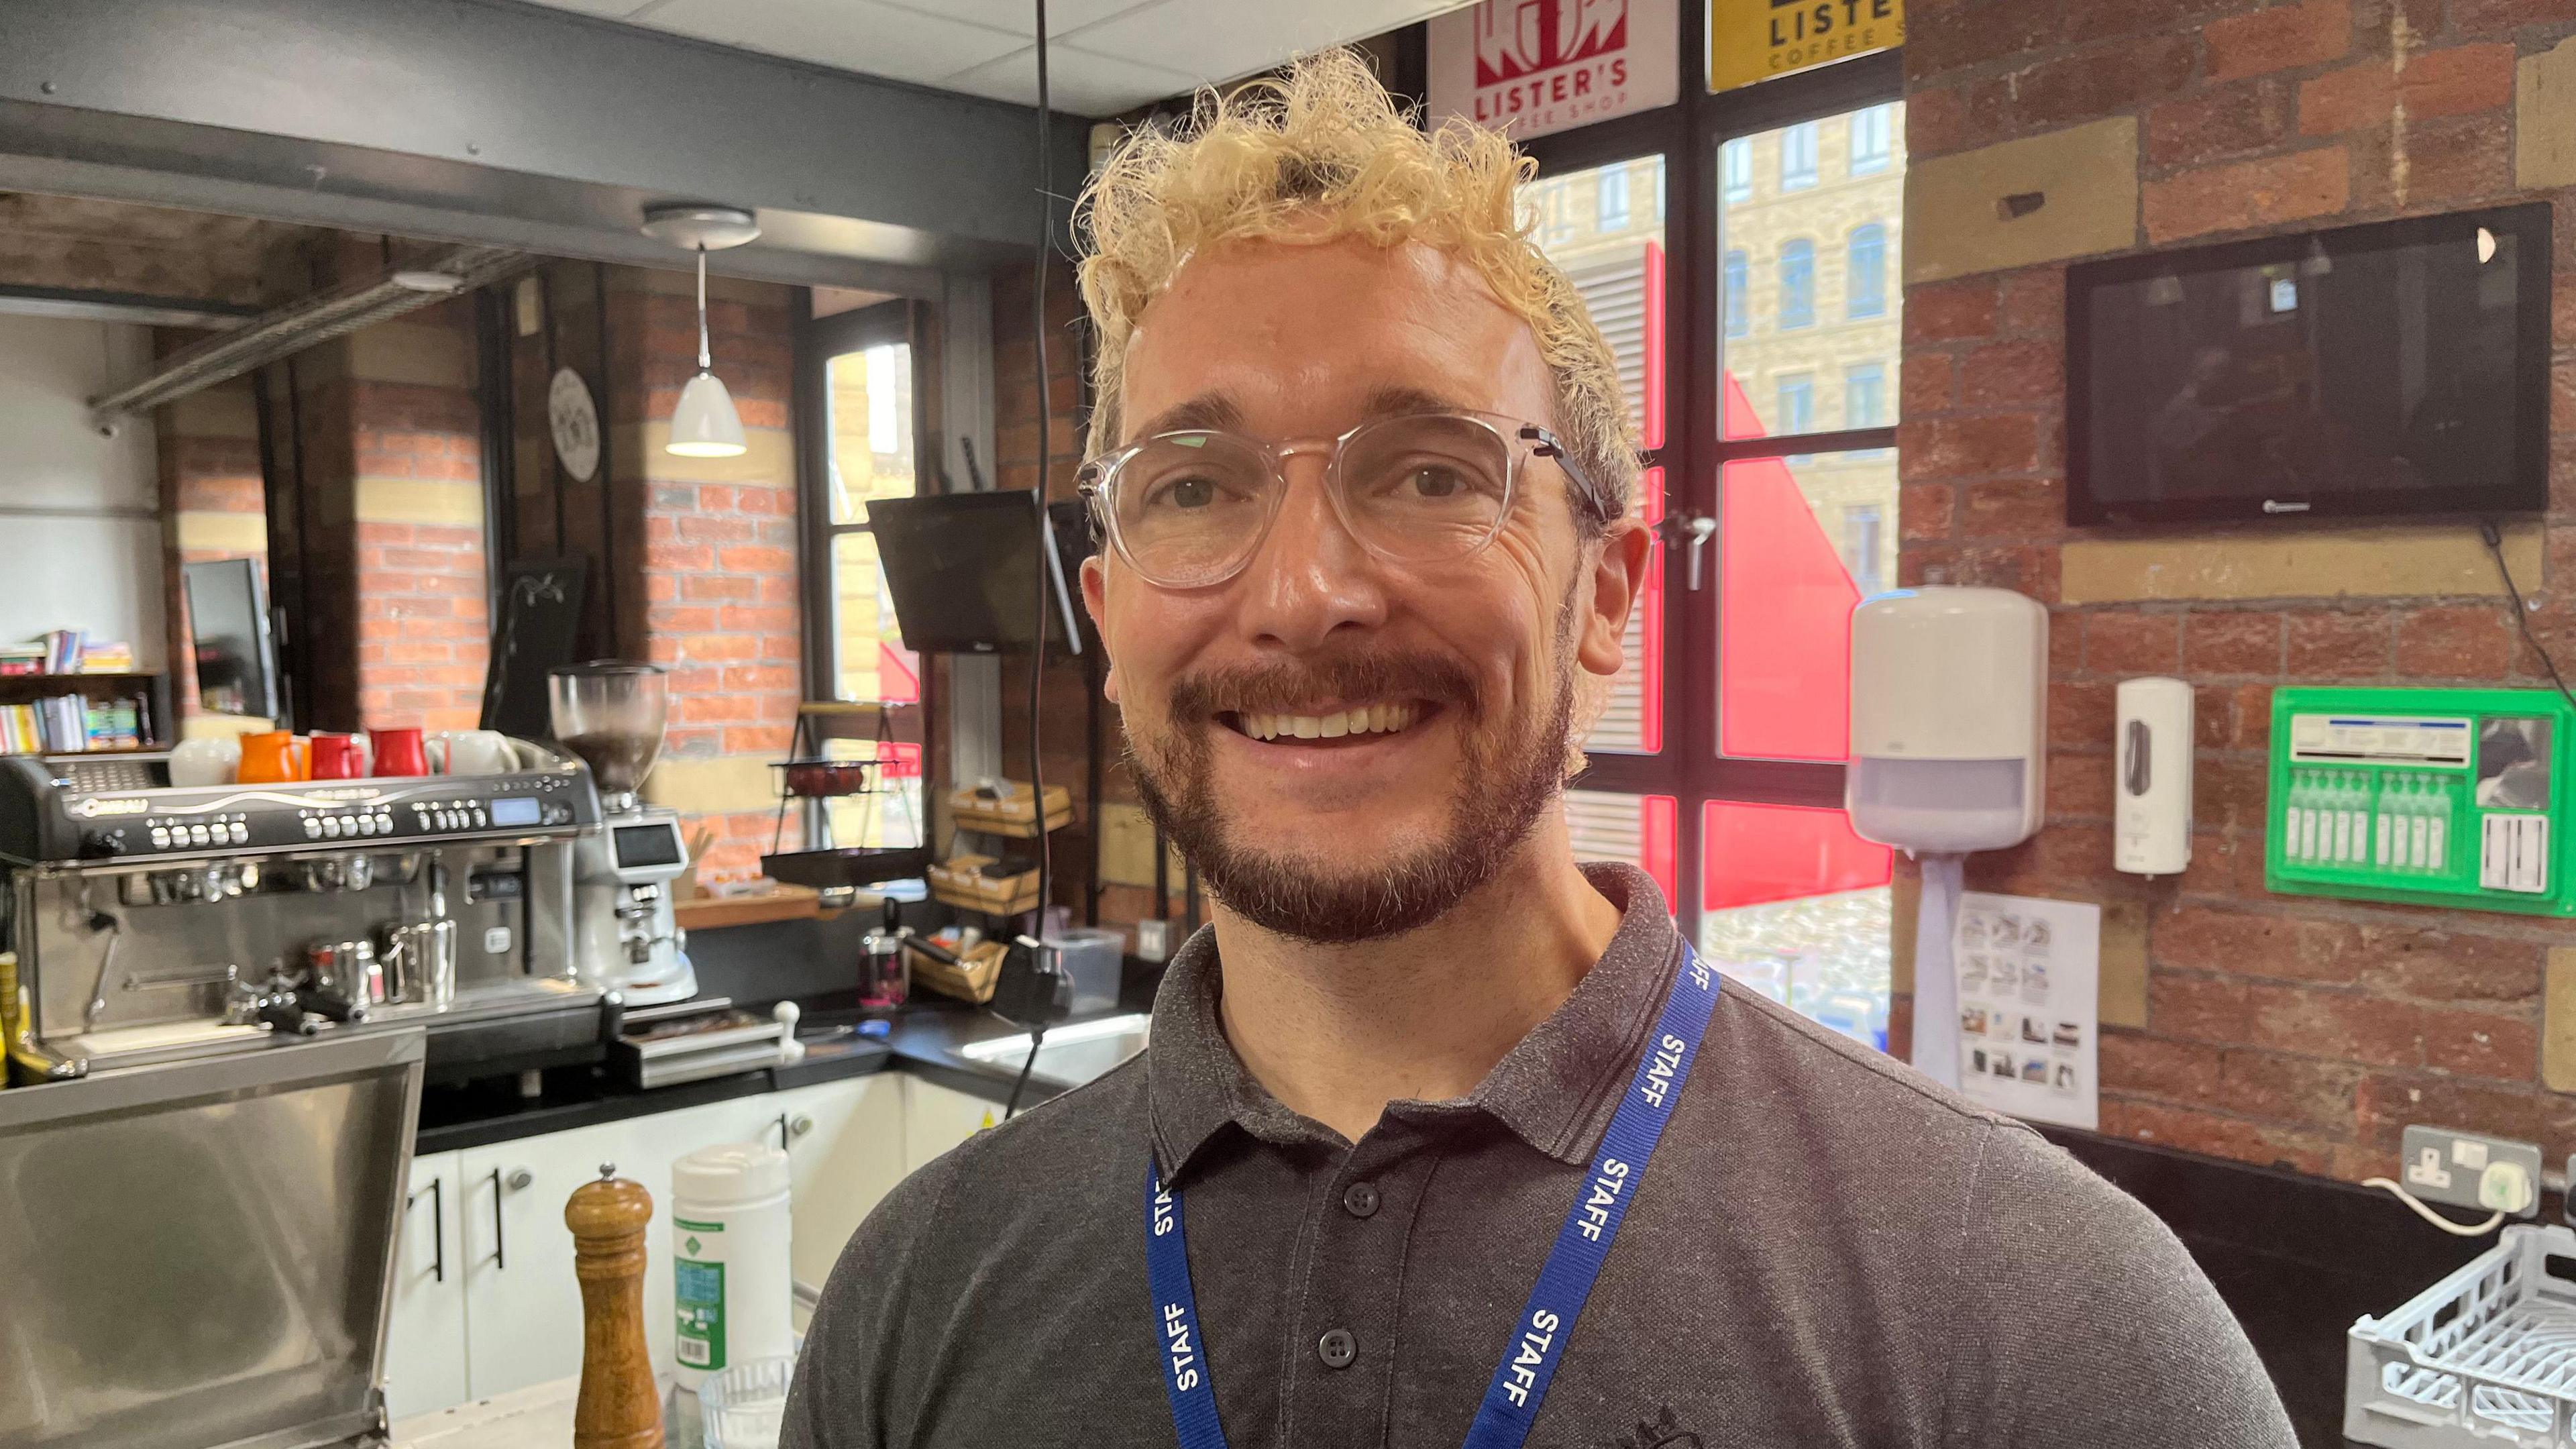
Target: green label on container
[{"x": 698, "y": 1290}]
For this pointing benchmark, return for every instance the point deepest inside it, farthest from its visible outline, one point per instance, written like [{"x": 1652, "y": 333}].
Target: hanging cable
[
  {"x": 2521, "y": 615},
  {"x": 1037, "y": 638}
]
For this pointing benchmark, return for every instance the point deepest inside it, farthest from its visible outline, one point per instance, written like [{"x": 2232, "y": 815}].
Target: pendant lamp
[{"x": 705, "y": 424}]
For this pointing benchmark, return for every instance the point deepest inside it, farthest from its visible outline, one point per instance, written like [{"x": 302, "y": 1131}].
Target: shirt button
[
  {"x": 1360, "y": 1199},
  {"x": 1337, "y": 1348}
]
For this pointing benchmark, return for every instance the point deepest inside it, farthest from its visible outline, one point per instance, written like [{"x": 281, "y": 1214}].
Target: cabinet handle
[
  {"x": 500, "y": 1252},
  {"x": 437, "y": 1191},
  {"x": 520, "y": 1177},
  {"x": 801, "y": 1124}
]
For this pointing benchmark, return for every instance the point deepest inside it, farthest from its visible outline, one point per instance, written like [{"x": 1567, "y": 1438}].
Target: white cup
[
  {"x": 206, "y": 761},
  {"x": 476, "y": 752}
]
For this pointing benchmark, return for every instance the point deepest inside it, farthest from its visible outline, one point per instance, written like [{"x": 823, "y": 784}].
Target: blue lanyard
[{"x": 1564, "y": 1282}]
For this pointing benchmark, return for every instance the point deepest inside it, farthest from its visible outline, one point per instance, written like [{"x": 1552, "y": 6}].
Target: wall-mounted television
[
  {"x": 228, "y": 623},
  {"x": 962, "y": 570},
  {"x": 2395, "y": 368}
]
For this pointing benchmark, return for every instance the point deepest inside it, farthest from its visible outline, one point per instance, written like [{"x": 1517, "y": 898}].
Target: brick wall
[
  {"x": 424, "y": 616},
  {"x": 212, "y": 501},
  {"x": 714, "y": 597},
  {"x": 2274, "y": 1029}
]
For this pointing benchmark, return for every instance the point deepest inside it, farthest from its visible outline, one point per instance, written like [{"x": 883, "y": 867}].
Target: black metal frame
[
  {"x": 1688, "y": 134},
  {"x": 2526, "y": 491}
]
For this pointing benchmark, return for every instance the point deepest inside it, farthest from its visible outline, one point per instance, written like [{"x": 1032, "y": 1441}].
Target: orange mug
[
  {"x": 272, "y": 758},
  {"x": 338, "y": 757}
]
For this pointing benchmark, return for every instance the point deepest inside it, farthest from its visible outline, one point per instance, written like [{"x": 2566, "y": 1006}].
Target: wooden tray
[
  {"x": 974, "y": 981},
  {"x": 1010, "y": 812},
  {"x": 958, "y": 881}
]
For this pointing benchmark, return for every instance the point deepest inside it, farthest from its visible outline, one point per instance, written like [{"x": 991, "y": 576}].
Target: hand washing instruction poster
[{"x": 2029, "y": 1006}]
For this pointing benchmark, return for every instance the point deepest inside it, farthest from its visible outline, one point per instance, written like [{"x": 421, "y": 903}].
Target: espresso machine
[
  {"x": 627, "y": 939},
  {"x": 155, "y": 923}
]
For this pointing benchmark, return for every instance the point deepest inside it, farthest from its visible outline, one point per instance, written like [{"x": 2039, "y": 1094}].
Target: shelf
[{"x": 786, "y": 903}]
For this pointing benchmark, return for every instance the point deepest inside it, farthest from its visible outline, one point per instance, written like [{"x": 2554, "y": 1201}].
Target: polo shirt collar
[{"x": 1555, "y": 1090}]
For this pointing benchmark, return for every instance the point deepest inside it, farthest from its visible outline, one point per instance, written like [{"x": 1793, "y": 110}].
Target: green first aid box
[{"x": 2433, "y": 797}]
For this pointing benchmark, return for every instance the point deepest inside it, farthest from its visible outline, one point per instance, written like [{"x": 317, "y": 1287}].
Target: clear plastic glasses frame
[{"x": 1189, "y": 509}]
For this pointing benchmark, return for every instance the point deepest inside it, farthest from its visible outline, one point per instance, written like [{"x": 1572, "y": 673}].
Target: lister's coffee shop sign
[
  {"x": 1534, "y": 66},
  {"x": 1754, "y": 40}
]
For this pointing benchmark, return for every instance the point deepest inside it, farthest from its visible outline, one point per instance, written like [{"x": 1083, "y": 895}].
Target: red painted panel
[
  {"x": 1754, "y": 854},
  {"x": 1784, "y": 614}
]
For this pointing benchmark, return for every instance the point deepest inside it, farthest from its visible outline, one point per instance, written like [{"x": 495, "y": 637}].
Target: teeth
[{"x": 1361, "y": 720}]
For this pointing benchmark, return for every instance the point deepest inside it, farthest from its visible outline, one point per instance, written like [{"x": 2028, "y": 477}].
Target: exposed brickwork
[
  {"x": 424, "y": 616},
  {"x": 2279, "y": 1029}
]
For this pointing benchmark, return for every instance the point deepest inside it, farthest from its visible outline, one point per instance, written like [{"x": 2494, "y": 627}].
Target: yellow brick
[
  {"x": 2122, "y": 998},
  {"x": 414, "y": 352},
  {"x": 1956, "y": 224},
  {"x": 2305, "y": 563},
  {"x": 2558, "y": 1022},
  {"x": 416, "y": 500},
  {"x": 725, "y": 786},
  {"x": 207, "y": 531},
  {"x": 2544, "y": 123}
]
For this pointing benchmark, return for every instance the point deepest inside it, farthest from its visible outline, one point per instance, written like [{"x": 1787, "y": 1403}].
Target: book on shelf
[
  {"x": 69, "y": 724},
  {"x": 68, "y": 651}
]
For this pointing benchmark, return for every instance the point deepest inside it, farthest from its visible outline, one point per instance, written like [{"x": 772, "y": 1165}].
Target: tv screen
[
  {"x": 962, "y": 570},
  {"x": 2395, "y": 368},
  {"x": 228, "y": 623}
]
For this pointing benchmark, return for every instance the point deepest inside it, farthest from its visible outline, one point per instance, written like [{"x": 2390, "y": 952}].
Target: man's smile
[{"x": 1323, "y": 723}]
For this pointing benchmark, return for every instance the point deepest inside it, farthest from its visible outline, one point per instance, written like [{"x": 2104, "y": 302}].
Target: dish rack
[{"x": 2486, "y": 1356}]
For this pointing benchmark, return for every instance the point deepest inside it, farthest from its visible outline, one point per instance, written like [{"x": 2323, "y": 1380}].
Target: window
[
  {"x": 1873, "y": 139},
  {"x": 1798, "y": 156},
  {"x": 1797, "y": 411},
  {"x": 1659, "y": 191},
  {"x": 1797, "y": 284},
  {"x": 1737, "y": 280},
  {"x": 1865, "y": 395},
  {"x": 865, "y": 359},
  {"x": 1610, "y": 206},
  {"x": 1735, "y": 170},
  {"x": 1865, "y": 272},
  {"x": 1861, "y": 541}
]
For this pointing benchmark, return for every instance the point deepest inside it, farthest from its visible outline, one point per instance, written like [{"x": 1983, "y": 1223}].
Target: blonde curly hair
[{"x": 1318, "y": 153}]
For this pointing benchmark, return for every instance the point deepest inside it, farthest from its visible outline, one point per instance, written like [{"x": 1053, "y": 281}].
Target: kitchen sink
[{"x": 1072, "y": 1054}]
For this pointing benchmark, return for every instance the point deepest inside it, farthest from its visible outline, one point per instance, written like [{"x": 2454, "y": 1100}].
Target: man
[{"x": 1442, "y": 1138}]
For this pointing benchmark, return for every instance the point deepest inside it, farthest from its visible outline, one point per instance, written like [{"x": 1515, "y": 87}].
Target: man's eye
[
  {"x": 1433, "y": 481},
  {"x": 1183, "y": 493}
]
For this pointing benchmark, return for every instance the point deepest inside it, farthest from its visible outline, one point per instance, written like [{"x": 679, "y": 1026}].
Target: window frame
[
  {"x": 817, "y": 341},
  {"x": 1876, "y": 233},
  {"x": 1690, "y": 136}
]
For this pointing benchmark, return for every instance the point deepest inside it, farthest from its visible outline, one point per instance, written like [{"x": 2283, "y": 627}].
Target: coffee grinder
[{"x": 610, "y": 712}]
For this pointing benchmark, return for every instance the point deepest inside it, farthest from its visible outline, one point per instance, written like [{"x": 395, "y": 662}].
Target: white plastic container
[
  {"x": 1093, "y": 958},
  {"x": 1949, "y": 719},
  {"x": 732, "y": 1287}
]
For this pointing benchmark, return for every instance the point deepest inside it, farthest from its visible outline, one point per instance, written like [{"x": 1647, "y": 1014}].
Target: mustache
[{"x": 1287, "y": 684}]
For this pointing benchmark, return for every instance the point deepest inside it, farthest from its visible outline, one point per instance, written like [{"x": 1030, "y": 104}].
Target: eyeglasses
[{"x": 1189, "y": 509}]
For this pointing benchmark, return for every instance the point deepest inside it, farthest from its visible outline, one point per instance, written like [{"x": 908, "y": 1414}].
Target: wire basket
[{"x": 2486, "y": 1356}]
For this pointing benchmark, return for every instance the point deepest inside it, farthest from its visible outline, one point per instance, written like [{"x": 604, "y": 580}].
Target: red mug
[
  {"x": 338, "y": 757},
  {"x": 400, "y": 752}
]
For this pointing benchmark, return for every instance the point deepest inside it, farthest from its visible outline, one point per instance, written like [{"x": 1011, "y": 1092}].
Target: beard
[{"x": 1504, "y": 785}]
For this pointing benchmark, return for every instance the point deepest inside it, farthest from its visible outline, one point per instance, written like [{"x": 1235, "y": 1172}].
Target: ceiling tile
[
  {"x": 1020, "y": 16},
  {"x": 1222, "y": 41},
  {"x": 855, "y": 35},
  {"x": 1078, "y": 82}
]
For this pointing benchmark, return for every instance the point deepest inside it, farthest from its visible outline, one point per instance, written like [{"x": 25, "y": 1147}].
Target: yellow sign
[{"x": 1756, "y": 40}]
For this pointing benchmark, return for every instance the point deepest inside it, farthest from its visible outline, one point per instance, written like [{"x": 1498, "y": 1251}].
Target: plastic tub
[{"x": 1094, "y": 959}]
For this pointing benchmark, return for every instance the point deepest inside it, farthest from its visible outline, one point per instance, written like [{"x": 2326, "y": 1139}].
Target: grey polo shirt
[{"x": 1826, "y": 1250}]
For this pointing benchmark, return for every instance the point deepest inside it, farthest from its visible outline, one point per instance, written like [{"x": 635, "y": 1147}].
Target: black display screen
[
  {"x": 961, "y": 569},
  {"x": 2400, "y": 367},
  {"x": 647, "y": 845},
  {"x": 228, "y": 627}
]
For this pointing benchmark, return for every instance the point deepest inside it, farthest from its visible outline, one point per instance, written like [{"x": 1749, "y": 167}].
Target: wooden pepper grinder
[{"x": 619, "y": 1407}]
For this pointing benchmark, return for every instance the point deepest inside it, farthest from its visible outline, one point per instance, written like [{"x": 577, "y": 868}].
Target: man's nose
[{"x": 1311, "y": 577}]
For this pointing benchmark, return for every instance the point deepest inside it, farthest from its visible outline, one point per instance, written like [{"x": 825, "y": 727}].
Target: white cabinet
[
  {"x": 522, "y": 1303},
  {"x": 845, "y": 1145},
  {"x": 937, "y": 1118},
  {"x": 425, "y": 1341}
]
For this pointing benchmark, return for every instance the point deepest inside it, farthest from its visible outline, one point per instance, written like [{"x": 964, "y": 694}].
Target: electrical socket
[
  {"x": 1154, "y": 940},
  {"x": 2470, "y": 1170}
]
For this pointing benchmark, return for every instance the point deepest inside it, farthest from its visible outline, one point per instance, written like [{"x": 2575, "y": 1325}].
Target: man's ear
[
  {"x": 1095, "y": 602},
  {"x": 1619, "y": 566}
]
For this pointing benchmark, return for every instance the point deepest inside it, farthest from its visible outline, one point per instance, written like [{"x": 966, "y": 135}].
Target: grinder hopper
[{"x": 610, "y": 712}]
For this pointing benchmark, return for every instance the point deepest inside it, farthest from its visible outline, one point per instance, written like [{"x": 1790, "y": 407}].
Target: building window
[
  {"x": 1865, "y": 272},
  {"x": 1863, "y": 534},
  {"x": 1611, "y": 202},
  {"x": 1736, "y": 273},
  {"x": 1865, "y": 395},
  {"x": 1797, "y": 284},
  {"x": 1735, "y": 169},
  {"x": 1797, "y": 156},
  {"x": 1797, "y": 412},
  {"x": 1873, "y": 139},
  {"x": 1659, "y": 191}
]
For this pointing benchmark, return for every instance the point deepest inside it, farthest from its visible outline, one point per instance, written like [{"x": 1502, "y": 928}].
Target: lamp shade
[{"x": 705, "y": 424}]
